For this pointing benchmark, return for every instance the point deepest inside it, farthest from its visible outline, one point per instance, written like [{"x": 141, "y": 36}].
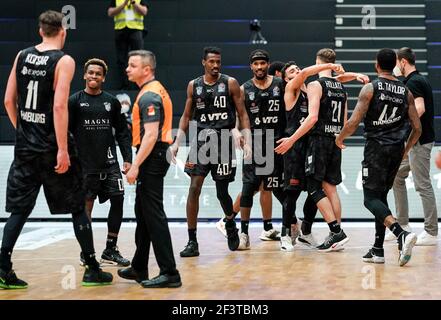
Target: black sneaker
[
  {"x": 190, "y": 250},
  {"x": 374, "y": 255},
  {"x": 232, "y": 235},
  {"x": 9, "y": 280},
  {"x": 131, "y": 274},
  {"x": 163, "y": 281},
  {"x": 406, "y": 242},
  {"x": 333, "y": 242},
  {"x": 114, "y": 257},
  {"x": 96, "y": 277}
]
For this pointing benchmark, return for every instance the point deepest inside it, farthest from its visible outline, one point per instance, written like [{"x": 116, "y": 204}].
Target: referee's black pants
[{"x": 151, "y": 221}]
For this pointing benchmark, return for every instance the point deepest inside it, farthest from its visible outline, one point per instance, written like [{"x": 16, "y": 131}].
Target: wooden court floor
[{"x": 264, "y": 272}]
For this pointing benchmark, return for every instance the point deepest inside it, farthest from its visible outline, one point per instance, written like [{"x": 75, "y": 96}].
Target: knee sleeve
[
  {"x": 224, "y": 198},
  {"x": 373, "y": 201},
  {"x": 315, "y": 190},
  {"x": 246, "y": 200}
]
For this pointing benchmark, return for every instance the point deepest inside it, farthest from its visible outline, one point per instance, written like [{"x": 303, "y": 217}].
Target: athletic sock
[
  {"x": 192, "y": 235},
  {"x": 267, "y": 225},
  {"x": 334, "y": 226},
  {"x": 244, "y": 226}
]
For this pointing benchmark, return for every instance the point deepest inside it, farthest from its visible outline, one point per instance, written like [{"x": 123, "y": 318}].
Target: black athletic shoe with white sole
[
  {"x": 374, "y": 255},
  {"x": 333, "y": 242}
]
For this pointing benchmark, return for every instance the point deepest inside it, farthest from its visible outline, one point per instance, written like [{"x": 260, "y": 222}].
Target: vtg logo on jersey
[
  {"x": 251, "y": 95},
  {"x": 107, "y": 106},
  {"x": 214, "y": 116},
  {"x": 198, "y": 90},
  {"x": 276, "y": 91},
  {"x": 221, "y": 88}
]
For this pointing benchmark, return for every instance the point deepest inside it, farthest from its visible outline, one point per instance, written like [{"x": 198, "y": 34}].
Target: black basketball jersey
[
  {"x": 386, "y": 120},
  {"x": 265, "y": 107},
  {"x": 93, "y": 119},
  {"x": 35, "y": 88},
  {"x": 297, "y": 114},
  {"x": 213, "y": 107},
  {"x": 332, "y": 108}
]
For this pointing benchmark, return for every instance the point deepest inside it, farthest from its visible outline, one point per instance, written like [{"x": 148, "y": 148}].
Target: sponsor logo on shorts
[{"x": 151, "y": 110}]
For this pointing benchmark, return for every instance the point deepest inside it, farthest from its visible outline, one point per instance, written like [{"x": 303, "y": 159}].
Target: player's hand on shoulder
[
  {"x": 363, "y": 78},
  {"x": 338, "y": 68},
  {"x": 63, "y": 162}
]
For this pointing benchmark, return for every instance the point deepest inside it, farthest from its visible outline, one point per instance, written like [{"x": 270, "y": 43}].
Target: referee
[{"x": 152, "y": 125}]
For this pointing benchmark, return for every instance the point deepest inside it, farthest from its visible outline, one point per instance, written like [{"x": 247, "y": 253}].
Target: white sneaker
[
  {"x": 286, "y": 243},
  {"x": 390, "y": 235},
  {"x": 244, "y": 242},
  {"x": 308, "y": 240},
  {"x": 405, "y": 246},
  {"x": 270, "y": 235},
  {"x": 220, "y": 225},
  {"x": 425, "y": 239}
]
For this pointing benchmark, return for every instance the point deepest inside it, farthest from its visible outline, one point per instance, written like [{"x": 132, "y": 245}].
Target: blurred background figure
[
  {"x": 256, "y": 33},
  {"x": 126, "y": 107},
  {"x": 128, "y": 16}
]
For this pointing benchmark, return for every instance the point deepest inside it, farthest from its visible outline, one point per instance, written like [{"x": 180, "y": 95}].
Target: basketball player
[
  {"x": 387, "y": 107},
  {"x": 263, "y": 97},
  {"x": 296, "y": 103},
  {"x": 36, "y": 101},
  {"x": 212, "y": 100},
  {"x": 94, "y": 115},
  {"x": 327, "y": 110}
]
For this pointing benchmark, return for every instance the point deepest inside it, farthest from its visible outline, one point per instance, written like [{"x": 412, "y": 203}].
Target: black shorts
[
  {"x": 64, "y": 192},
  {"x": 294, "y": 170},
  {"x": 323, "y": 159},
  {"x": 104, "y": 185},
  {"x": 380, "y": 165},
  {"x": 222, "y": 165},
  {"x": 250, "y": 174}
]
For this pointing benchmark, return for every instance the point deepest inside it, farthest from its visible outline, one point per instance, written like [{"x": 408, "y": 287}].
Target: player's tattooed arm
[
  {"x": 357, "y": 116},
  {"x": 243, "y": 116},
  {"x": 183, "y": 122},
  {"x": 414, "y": 123}
]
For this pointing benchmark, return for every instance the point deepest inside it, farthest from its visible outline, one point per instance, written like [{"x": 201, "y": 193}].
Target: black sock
[
  {"x": 192, "y": 235},
  {"x": 294, "y": 219},
  {"x": 334, "y": 226},
  {"x": 286, "y": 231},
  {"x": 244, "y": 226},
  {"x": 111, "y": 241},
  {"x": 83, "y": 233},
  {"x": 267, "y": 225},
  {"x": 380, "y": 231},
  {"x": 396, "y": 229},
  {"x": 90, "y": 260},
  {"x": 306, "y": 227},
  {"x": 5, "y": 259}
]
